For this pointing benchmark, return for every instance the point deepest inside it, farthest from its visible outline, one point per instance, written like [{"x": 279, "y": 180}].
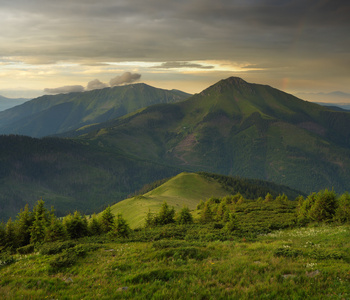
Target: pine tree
[
  {"x": 206, "y": 214},
  {"x": 94, "y": 226},
  {"x": 55, "y": 231},
  {"x": 24, "y": 223},
  {"x": 149, "y": 220},
  {"x": 232, "y": 223},
  {"x": 76, "y": 225},
  {"x": 120, "y": 228},
  {"x": 2, "y": 234},
  {"x": 342, "y": 213},
  {"x": 40, "y": 222},
  {"x": 185, "y": 216},
  {"x": 268, "y": 198},
  {"x": 11, "y": 241},
  {"x": 107, "y": 219},
  {"x": 166, "y": 215}
]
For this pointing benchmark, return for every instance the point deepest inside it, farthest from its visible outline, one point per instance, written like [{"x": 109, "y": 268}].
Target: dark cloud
[
  {"x": 95, "y": 85},
  {"x": 176, "y": 64},
  {"x": 160, "y": 30},
  {"x": 274, "y": 33},
  {"x": 126, "y": 77},
  {"x": 65, "y": 89}
]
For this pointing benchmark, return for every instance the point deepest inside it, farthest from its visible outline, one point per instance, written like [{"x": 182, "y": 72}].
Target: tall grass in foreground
[{"x": 187, "y": 262}]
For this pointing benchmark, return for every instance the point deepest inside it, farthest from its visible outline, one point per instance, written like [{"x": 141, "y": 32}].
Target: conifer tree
[
  {"x": 2, "y": 234},
  {"x": 185, "y": 216},
  {"x": 107, "y": 219},
  {"x": 55, "y": 231},
  {"x": 24, "y": 223},
  {"x": 40, "y": 222},
  {"x": 268, "y": 198},
  {"x": 76, "y": 225},
  {"x": 342, "y": 213},
  {"x": 206, "y": 214},
  {"x": 120, "y": 227},
  {"x": 10, "y": 235},
  {"x": 94, "y": 226},
  {"x": 166, "y": 215},
  {"x": 232, "y": 224},
  {"x": 149, "y": 220}
]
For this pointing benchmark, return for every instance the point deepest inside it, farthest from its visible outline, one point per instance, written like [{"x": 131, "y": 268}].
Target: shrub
[
  {"x": 232, "y": 223},
  {"x": 26, "y": 249},
  {"x": 287, "y": 252},
  {"x": 56, "y": 247},
  {"x": 6, "y": 259},
  {"x": 63, "y": 260}
]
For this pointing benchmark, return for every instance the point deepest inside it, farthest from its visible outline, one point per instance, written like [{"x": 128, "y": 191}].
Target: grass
[
  {"x": 187, "y": 268},
  {"x": 185, "y": 189}
]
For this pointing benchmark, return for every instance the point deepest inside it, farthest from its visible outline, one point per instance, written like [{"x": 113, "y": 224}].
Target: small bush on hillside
[
  {"x": 56, "y": 247},
  {"x": 26, "y": 249},
  {"x": 6, "y": 259}
]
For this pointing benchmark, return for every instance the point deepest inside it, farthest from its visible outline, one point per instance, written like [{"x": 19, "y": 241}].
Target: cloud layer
[
  {"x": 127, "y": 77},
  {"x": 305, "y": 40},
  {"x": 95, "y": 84}
]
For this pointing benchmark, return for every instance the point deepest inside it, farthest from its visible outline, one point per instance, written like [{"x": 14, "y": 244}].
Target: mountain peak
[{"x": 230, "y": 83}]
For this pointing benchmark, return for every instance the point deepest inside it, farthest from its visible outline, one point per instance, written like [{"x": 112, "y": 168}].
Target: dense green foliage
[
  {"x": 251, "y": 188},
  {"x": 70, "y": 175}
]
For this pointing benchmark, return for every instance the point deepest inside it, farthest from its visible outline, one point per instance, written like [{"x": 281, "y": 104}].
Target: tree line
[{"x": 41, "y": 225}]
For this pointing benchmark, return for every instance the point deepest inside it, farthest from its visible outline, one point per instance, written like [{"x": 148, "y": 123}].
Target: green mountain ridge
[
  {"x": 69, "y": 174},
  {"x": 7, "y": 103},
  {"x": 53, "y": 114},
  {"x": 237, "y": 128}
]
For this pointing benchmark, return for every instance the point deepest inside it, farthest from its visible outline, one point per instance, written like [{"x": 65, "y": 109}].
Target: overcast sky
[{"x": 296, "y": 46}]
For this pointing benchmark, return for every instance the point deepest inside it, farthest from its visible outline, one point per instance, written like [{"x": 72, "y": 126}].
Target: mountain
[
  {"x": 6, "y": 103},
  {"x": 69, "y": 174},
  {"x": 53, "y": 114},
  {"x": 188, "y": 189},
  {"x": 231, "y": 128},
  {"x": 239, "y": 128}
]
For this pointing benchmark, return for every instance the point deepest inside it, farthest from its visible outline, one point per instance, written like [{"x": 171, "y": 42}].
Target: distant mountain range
[
  {"x": 336, "y": 98},
  {"x": 231, "y": 128},
  {"x": 336, "y": 106},
  {"x": 53, "y": 114},
  {"x": 6, "y": 103}
]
